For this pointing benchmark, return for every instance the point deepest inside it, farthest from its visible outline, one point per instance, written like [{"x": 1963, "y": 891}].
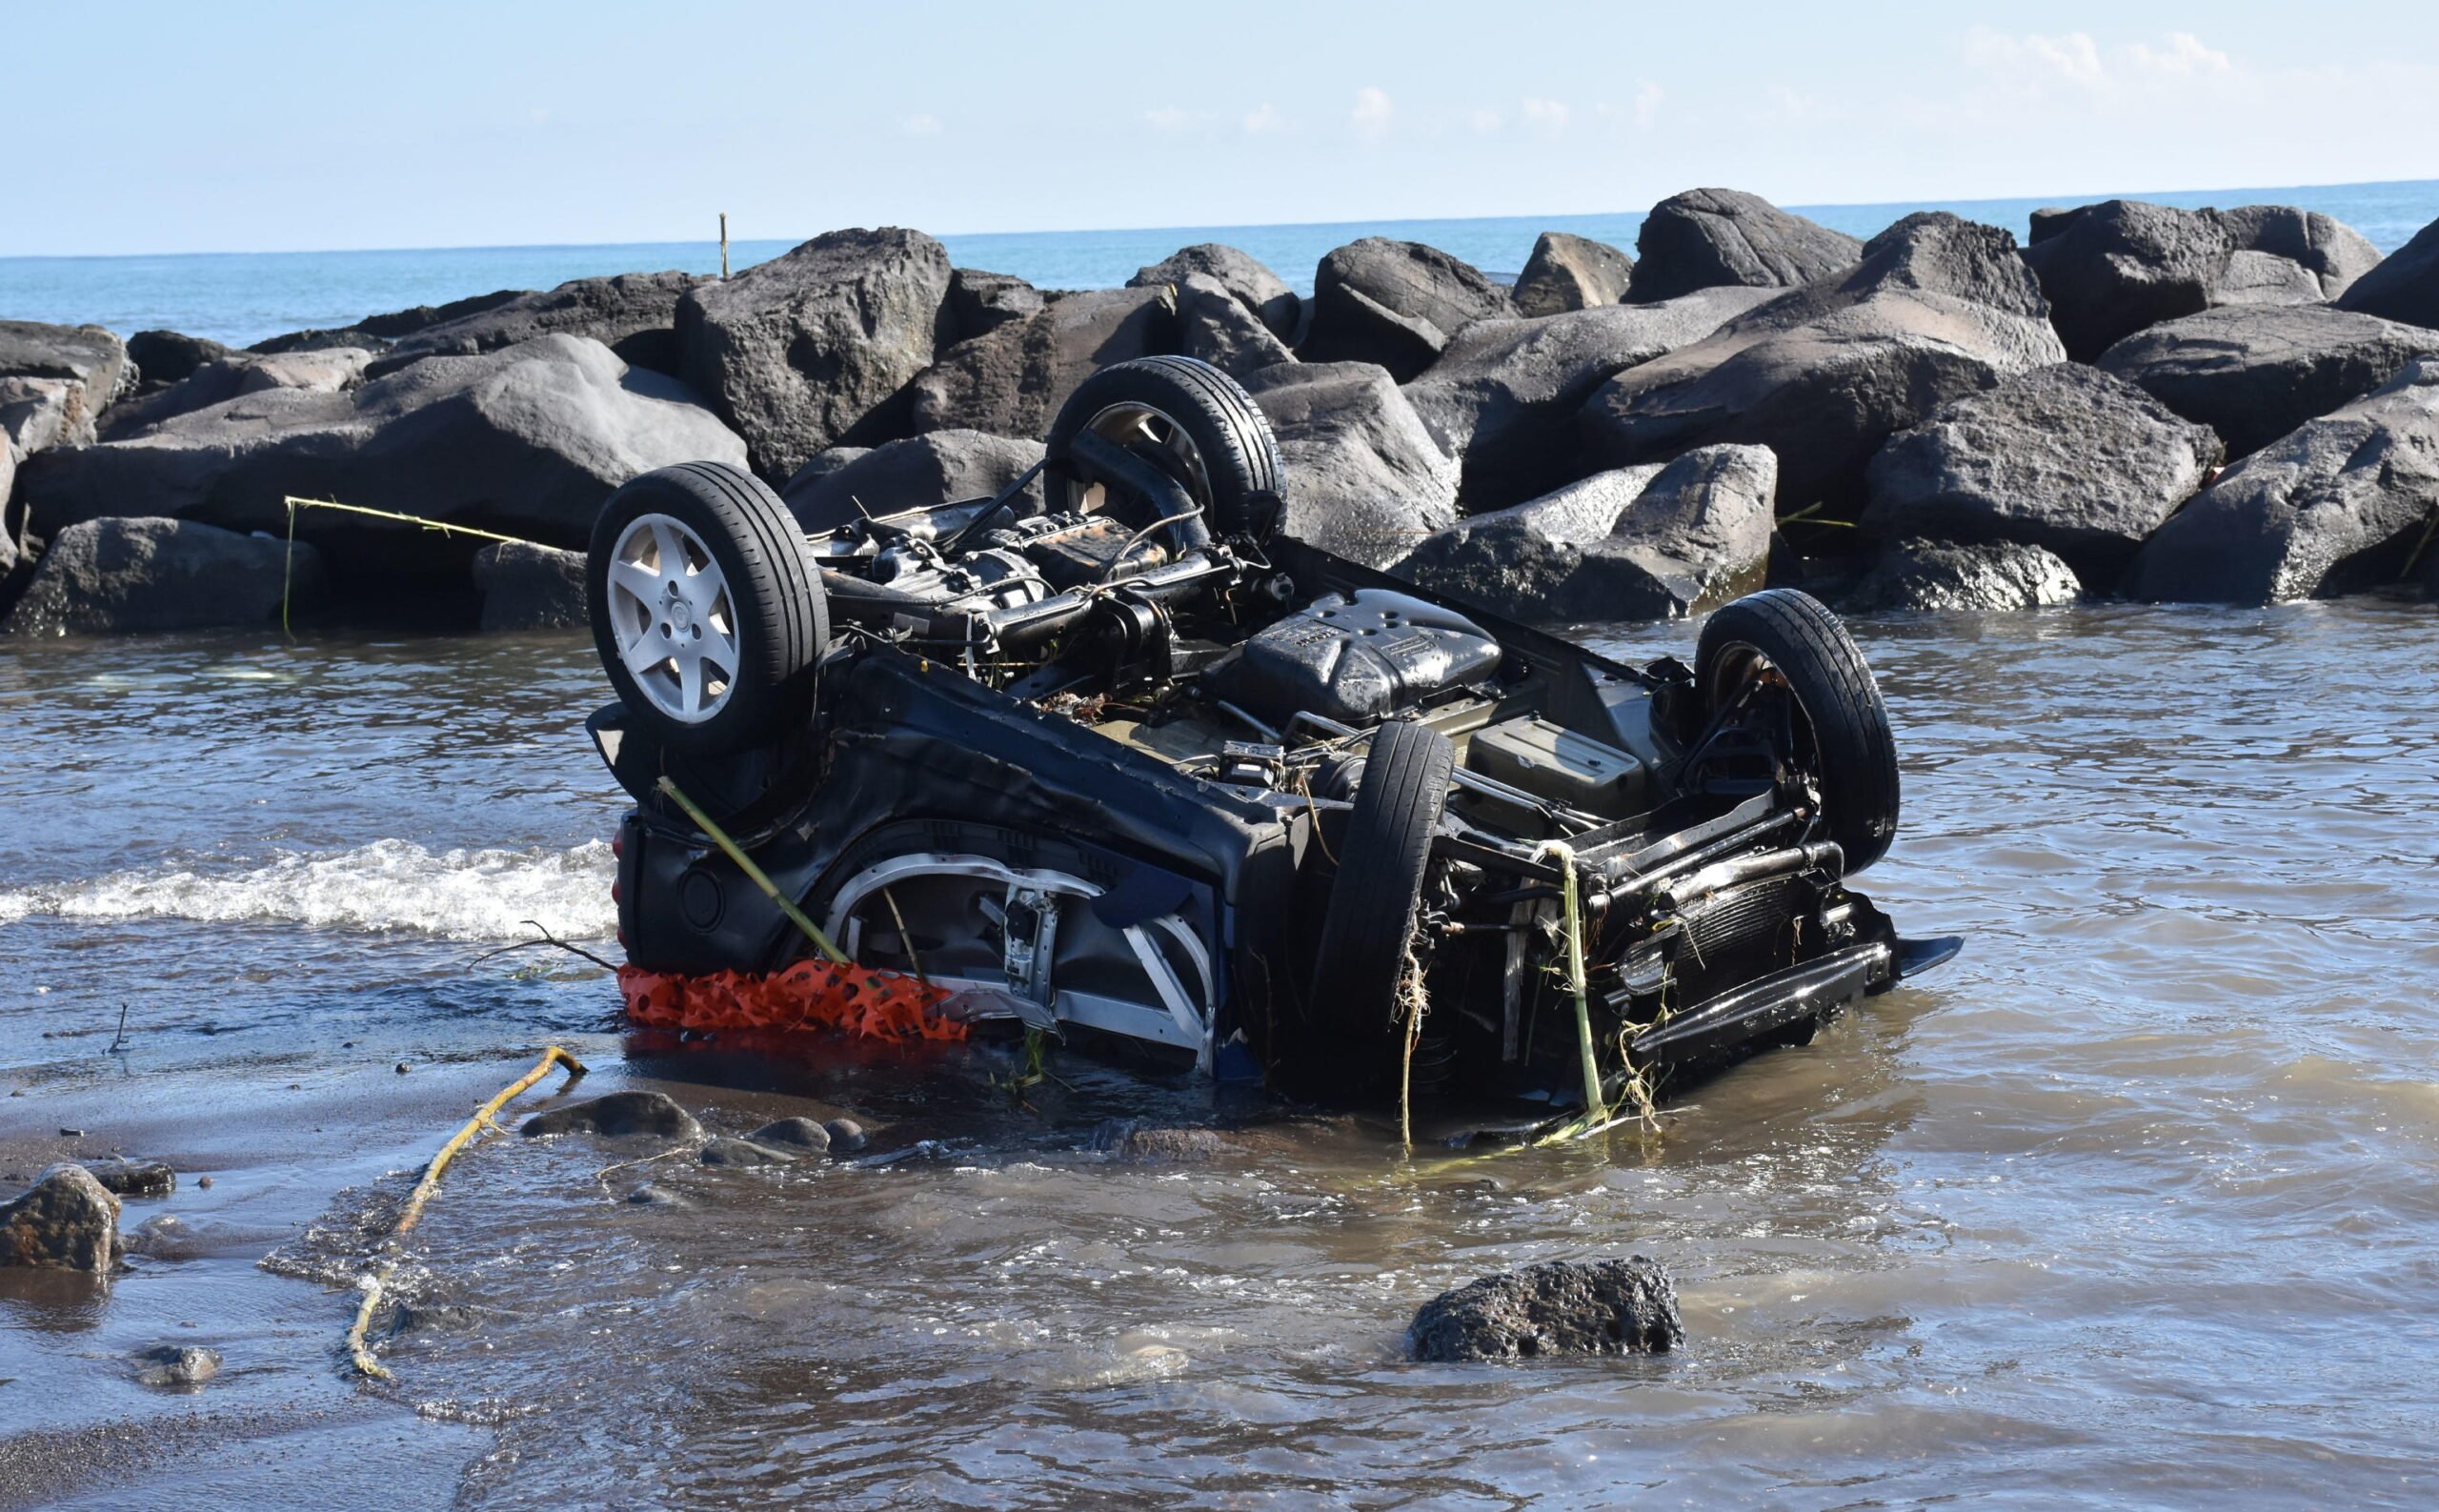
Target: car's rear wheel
[
  {"x": 1844, "y": 737},
  {"x": 706, "y": 609},
  {"x": 1188, "y": 418},
  {"x": 1383, "y": 859}
]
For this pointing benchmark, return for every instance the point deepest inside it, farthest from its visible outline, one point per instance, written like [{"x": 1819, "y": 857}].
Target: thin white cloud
[
  {"x": 2185, "y": 54},
  {"x": 925, "y": 124},
  {"x": 1168, "y": 118},
  {"x": 1264, "y": 118},
  {"x": 2075, "y": 59},
  {"x": 1649, "y": 98},
  {"x": 1484, "y": 122},
  {"x": 1371, "y": 114},
  {"x": 1548, "y": 116}
]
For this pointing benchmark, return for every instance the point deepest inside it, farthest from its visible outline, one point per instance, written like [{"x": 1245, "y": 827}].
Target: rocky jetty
[{"x": 1934, "y": 418}]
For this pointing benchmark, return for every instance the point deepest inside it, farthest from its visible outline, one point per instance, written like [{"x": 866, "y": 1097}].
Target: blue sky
[{"x": 143, "y": 127}]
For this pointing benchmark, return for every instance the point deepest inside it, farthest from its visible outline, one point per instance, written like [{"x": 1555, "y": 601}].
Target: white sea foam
[{"x": 474, "y": 894}]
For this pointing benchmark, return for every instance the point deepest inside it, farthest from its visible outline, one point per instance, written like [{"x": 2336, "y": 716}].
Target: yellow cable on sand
[{"x": 357, "y": 1350}]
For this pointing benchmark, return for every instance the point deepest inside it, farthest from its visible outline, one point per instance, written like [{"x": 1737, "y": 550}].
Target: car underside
[{"x": 1108, "y": 757}]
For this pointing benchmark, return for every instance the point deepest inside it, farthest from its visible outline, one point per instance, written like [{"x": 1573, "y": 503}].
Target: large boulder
[
  {"x": 2336, "y": 507},
  {"x": 525, "y": 587},
  {"x": 115, "y": 576},
  {"x": 79, "y": 371},
  {"x": 1649, "y": 542},
  {"x": 1215, "y": 326},
  {"x": 1253, "y": 284},
  {"x": 2325, "y": 251},
  {"x": 935, "y": 468},
  {"x": 2255, "y": 372},
  {"x": 374, "y": 332},
  {"x": 1558, "y": 1307},
  {"x": 1570, "y": 272},
  {"x": 1946, "y": 577},
  {"x": 2405, "y": 286},
  {"x": 1705, "y": 237},
  {"x": 1395, "y": 304},
  {"x": 66, "y": 1222},
  {"x": 314, "y": 370},
  {"x": 2114, "y": 267},
  {"x": 1503, "y": 397},
  {"x": 634, "y": 314},
  {"x": 164, "y": 357},
  {"x": 2065, "y": 457},
  {"x": 1011, "y": 380},
  {"x": 1364, "y": 476},
  {"x": 527, "y": 441},
  {"x": 811, "y": 348},
  {"x": 980, "y": 302},
  {"x": 1824, "y": 374},
  {"x": 2264, "y": 278}
]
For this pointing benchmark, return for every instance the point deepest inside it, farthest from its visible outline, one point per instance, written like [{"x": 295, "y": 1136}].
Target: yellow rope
[
  {"x": 357, "y": 1349},
  {"x": 288, "y": 562}
]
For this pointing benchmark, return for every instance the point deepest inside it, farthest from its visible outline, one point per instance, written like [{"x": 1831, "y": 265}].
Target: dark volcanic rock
[
  {"x": 809, "y": 349},
  {"x": 2263, "y": 278},
  {"x": 528, "y": 441},
  {"x": 176, "y": 1367},
  {"x": 2063, "y": 456},
  {"x": 936, "y": 468},
  {"x": 1570, "y": 272},
  {"x": 802, "y": 1135},
  {"x": 1215, "y": 326},
  {"x": 377, "y": 332},
  {"x": 846, "y": 1135},
  {"x": 2050, "y": 220},
  {"x": 1364, "y": 476},
  {"x": 86, "y": 369},
  {"x": 1255, "y": 286},
  {"x": 1824, "y": 374},
  {"x": 2255, "y": 372},
  {"x": 1558, "y": 1307},
  {"x": 2331, "y": 253},
  {"x": 619, "y": 1113},
  {"x": 164, "y": 357},
  {"x": 2119, "y": 266},
  {"x": 528, "y": 587},
  {"x": 67, "y": 1220},
  {"x": 1133, "y": 1143},
  {"x": 113, "y": 576},
  {"x": 2405, "y": 286},
  {"x": 1396, "y": 304},
  {"x": 1503, "y": 397},
  {"x": 1705, "y": 237},
  {"x": 1638, "y": 543},
  {"x": 981, "y": 303},
  {"x": 722, "y": 1150},
  {"x": 317, "y": 370},
  {"x": 2333, "y": 508},
  {"x": 634, "y": 314},
  {"x": 122, "y": 1178},
  {"x": 1012, "y": 381},
  {"x": 1927, "y": 574}
]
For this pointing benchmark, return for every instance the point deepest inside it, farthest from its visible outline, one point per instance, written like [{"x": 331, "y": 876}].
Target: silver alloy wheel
[
  {"x": 672, "y": 618},
  {"x": 1132, "y": 425}
]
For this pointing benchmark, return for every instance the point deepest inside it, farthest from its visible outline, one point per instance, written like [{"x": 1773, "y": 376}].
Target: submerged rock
[
  {"x": 176, "y": 1367},
  {"x": 846, "y": 1135},
  {"x": 724, "y": 1150},
  {"x": 113, "y": 577},
  {"x": 793, "y": 1134},
  {"x": 1946, "y": 576},
  {"x": 1706, "y": 237},
  {"x": 1559, "y": 1307},
  {"x": 621, "y": 1112},
  {"x": 122, "y": 1178},
  {"x": 67, "y": 1220},
  {"x": 529, "y": 587},
  {"x": 1131, "y": 1143}
]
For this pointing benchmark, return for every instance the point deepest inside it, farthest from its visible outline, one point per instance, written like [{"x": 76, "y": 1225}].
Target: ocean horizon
[{"x": 243, "y": 298}]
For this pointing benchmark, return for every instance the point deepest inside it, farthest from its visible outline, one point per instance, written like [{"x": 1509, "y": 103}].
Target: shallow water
[{"x": 2131, "y": 1205}]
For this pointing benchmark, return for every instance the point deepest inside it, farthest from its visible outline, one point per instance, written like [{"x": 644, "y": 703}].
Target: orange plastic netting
[{"x": 859, "y": 1000}]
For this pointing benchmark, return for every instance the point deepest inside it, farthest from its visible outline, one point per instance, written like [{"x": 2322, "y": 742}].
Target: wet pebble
[
  {"x": 722, "y": 1150},
  {"x": 402, "y": 1068},
  {"x": 167, "y": 1237},
  {"x": 124, "y": 1178},
  {"x": 618, "y": 1113},
  {"x": 793, "y": 1134},
  {"x": 203, "y": 1180},
  {"x": 1135, "y": 1145},
  {"x": 650, "y": 1196},
  {"x": 845, "y": 1133},
  {"x": 176, "y": 1367}
]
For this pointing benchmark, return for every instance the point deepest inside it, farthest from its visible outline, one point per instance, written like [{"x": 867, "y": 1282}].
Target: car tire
[
  {"x": 1384, "y": 853},
  {"x": 749, "y": 592},
  {"x": 1854, "y": 755},
  {"x": 1228, "y": 460}
]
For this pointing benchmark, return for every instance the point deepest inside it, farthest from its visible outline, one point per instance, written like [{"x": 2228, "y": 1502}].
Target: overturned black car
[{"x": 1108, "y": 754}]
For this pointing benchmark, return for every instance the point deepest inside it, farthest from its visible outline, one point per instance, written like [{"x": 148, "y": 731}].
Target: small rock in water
[
  {"x": 845, "y": 1133},
  {"x": 124, "y": 1178},
  {"x": 72, "y": 1134},
  {"x": 1135, "y": 1145},
  {"x": 1559, "y": 1307},
  {"x": 69, "y": 1220},
  {"x": 203, "y": 1180},
  {"x": 722, "y": 1150},
  {"x": 402, "y": 1068},
  {"x": 618, "y": 1113},
  {"x": 650, "y": 1196},
  {"x": 177, "y": 1365},
  {"x": 793, "y": 1134},
  {"x": 165, "y": 1237}
]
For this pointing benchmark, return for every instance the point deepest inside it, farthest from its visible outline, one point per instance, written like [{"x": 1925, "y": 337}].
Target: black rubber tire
[
  {"x": 782, "y": 616},
  {"x": 1854, "y": 755},
  {"x": 1239, "y": 454},
  {"x": 1382, "y": 856}
]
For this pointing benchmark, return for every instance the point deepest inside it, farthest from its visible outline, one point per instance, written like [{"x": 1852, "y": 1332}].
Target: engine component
[
  {"x": 1356, "y": 659},
  {"x": 1530, "y": 753}
]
